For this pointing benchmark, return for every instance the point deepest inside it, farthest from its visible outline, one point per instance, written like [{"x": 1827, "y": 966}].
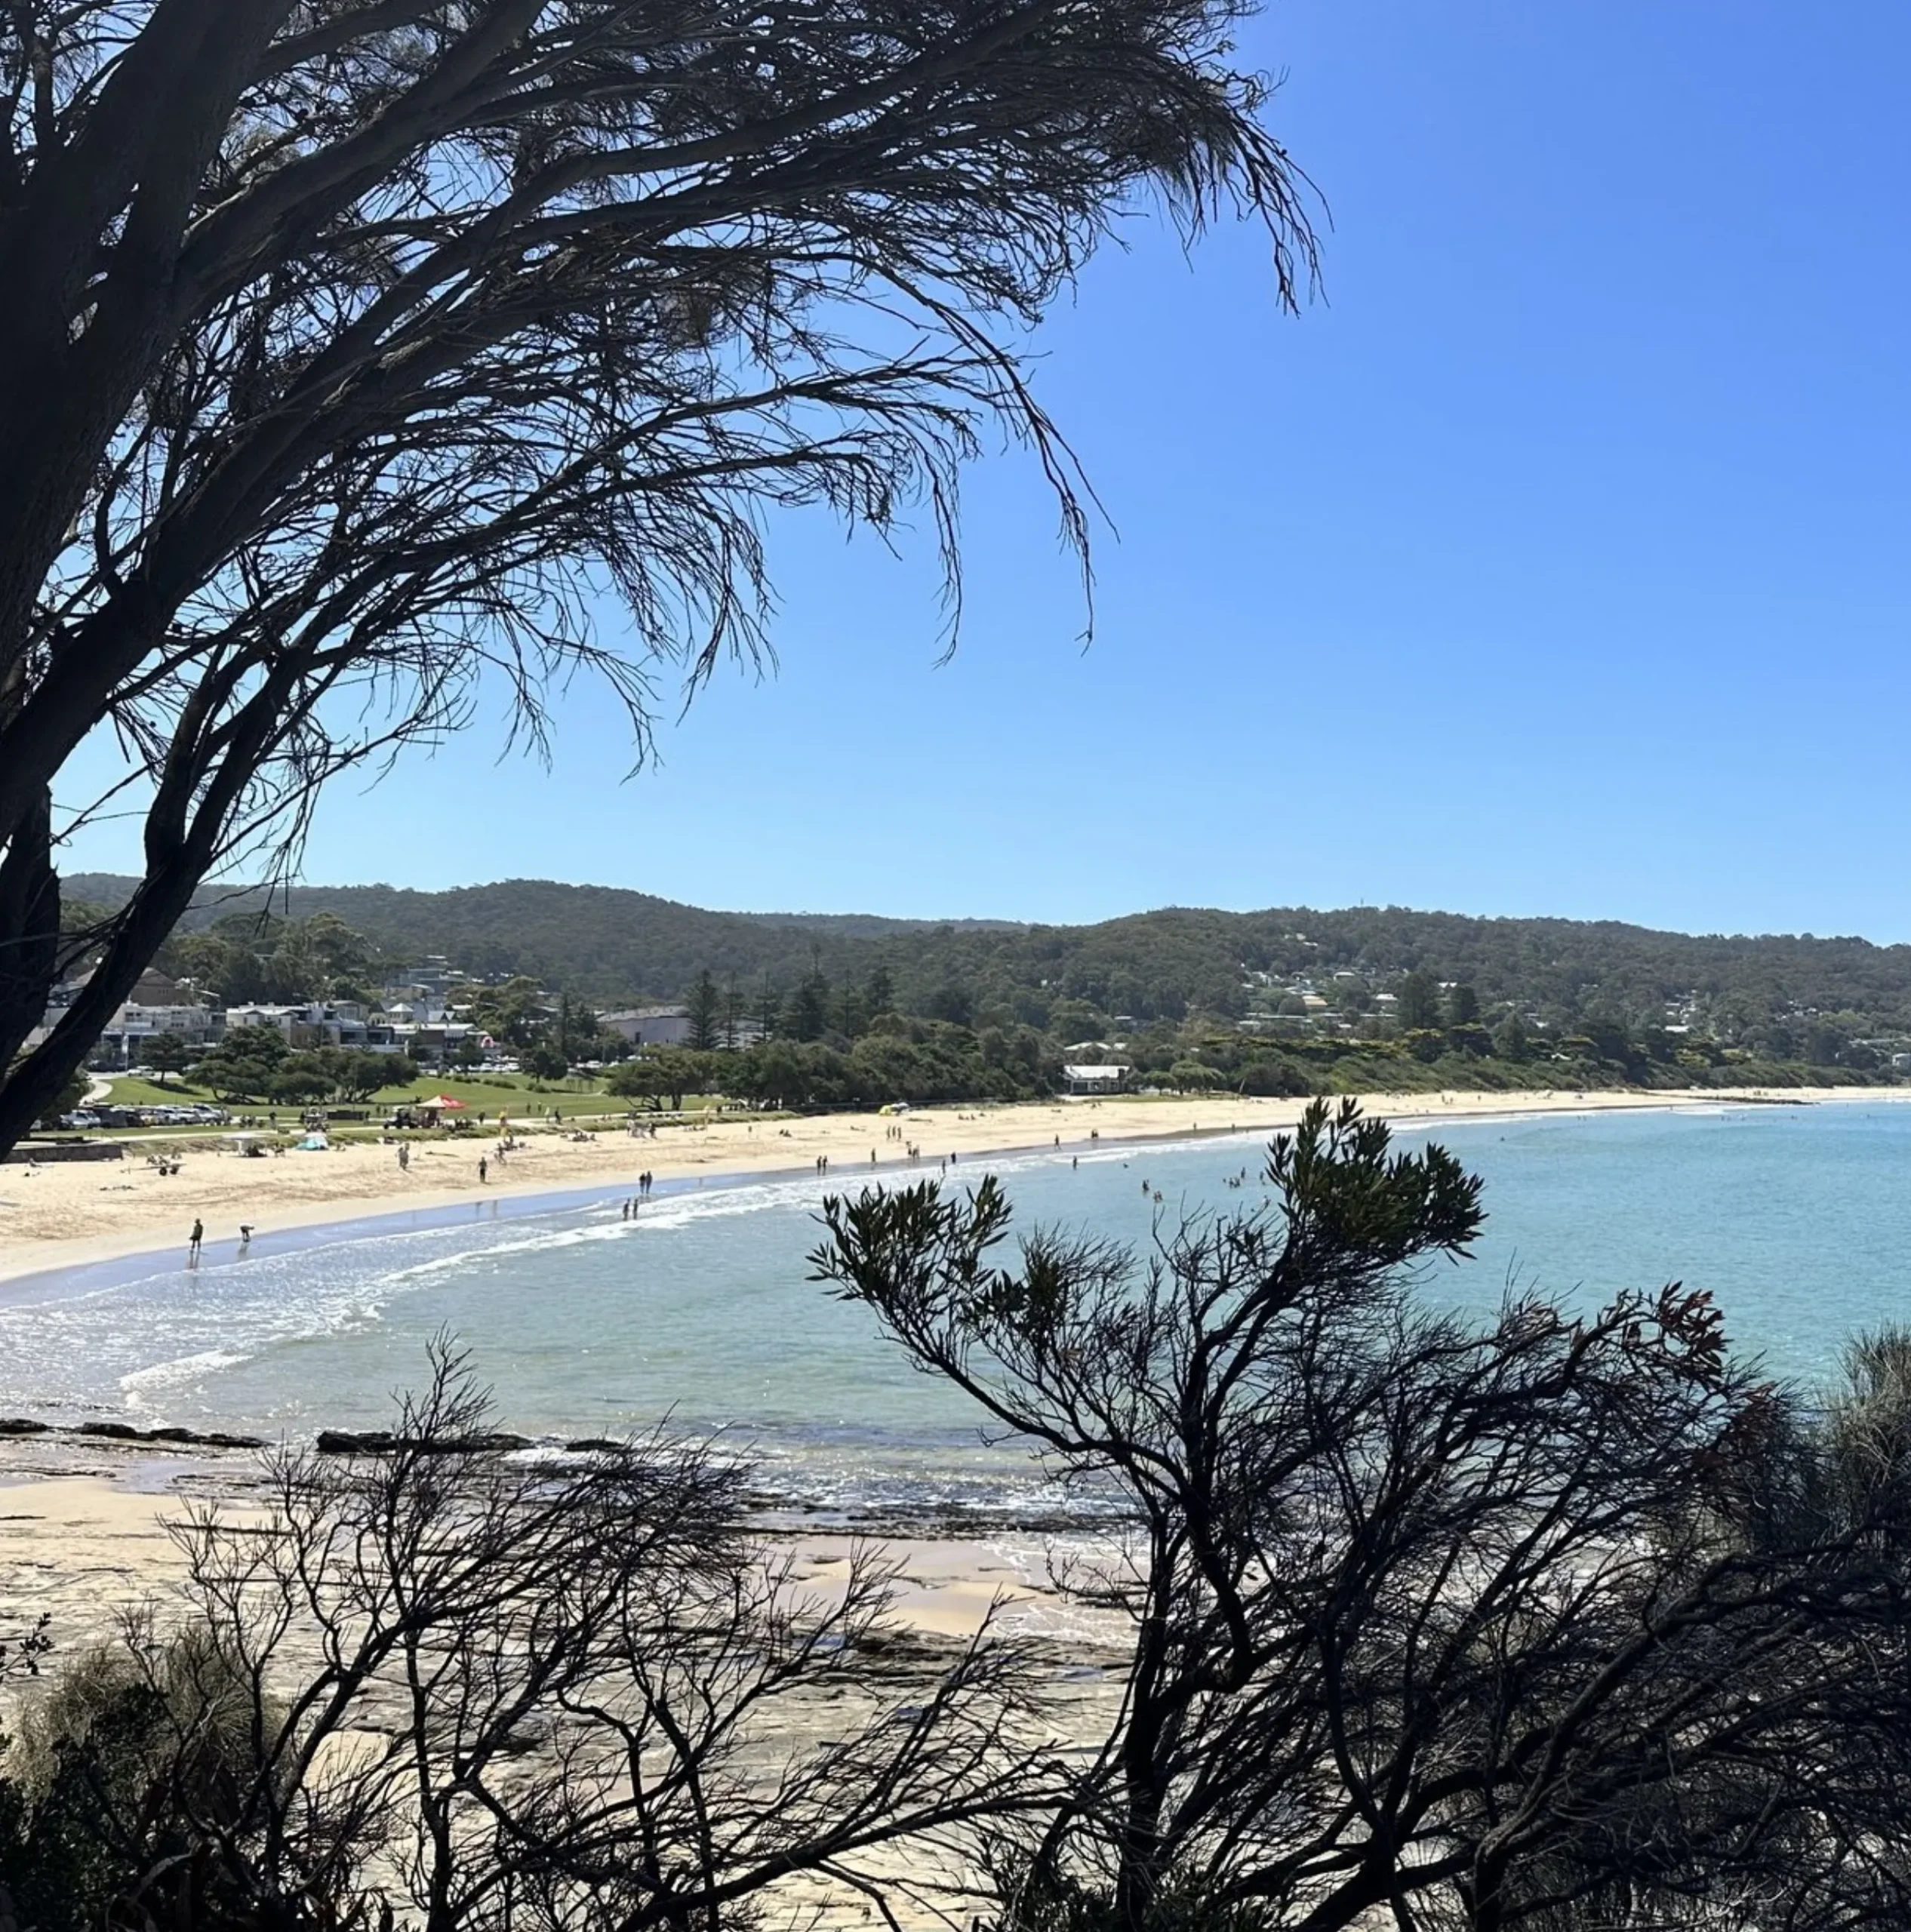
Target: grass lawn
[
  {"x": 178, "y": 1092},
  {"x": 493, "y": 1093}
]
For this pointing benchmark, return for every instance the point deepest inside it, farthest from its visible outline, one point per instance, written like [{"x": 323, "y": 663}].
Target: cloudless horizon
[{"x": 1552, "y": 563}]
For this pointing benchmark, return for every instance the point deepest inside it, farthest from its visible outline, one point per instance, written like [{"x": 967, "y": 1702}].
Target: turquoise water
[{"x": 1798, "y": 1219}]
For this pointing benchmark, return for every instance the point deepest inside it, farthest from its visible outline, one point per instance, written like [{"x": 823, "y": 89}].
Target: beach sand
[{"x": 72, "y": 1214}]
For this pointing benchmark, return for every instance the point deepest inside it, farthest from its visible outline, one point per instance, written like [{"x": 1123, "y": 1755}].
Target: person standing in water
[{"x": 193, "y": 1240}]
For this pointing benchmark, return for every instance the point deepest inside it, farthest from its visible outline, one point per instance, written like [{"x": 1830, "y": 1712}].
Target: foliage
[
  {"x": 502, "y": 1694},
  {"x": 544, "y": 1060},
  {"x": 149, "y": 1712},
  {"x": 355, "y": 352},
  {"x": 666, "y": 1073},
  {"x": 1758, "y": 998},
  {"x": 243, "y": 958},
  {"x": 257, "y": 1064},
  {"x": 168, "y": 1053},
  {"x": 1552, "y": 1619}
]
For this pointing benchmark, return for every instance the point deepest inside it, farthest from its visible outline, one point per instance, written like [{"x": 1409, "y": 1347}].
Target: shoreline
[
  {"x": 376, "y": 1197},
  {"x": 82, "y": 1525}
]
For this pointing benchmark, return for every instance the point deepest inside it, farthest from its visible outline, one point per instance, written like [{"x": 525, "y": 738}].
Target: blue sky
[{"x": 1555, "y": 562}]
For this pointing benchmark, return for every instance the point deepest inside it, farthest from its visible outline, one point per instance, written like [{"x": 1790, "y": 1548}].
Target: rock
[{"x": 381, "y": 1442}]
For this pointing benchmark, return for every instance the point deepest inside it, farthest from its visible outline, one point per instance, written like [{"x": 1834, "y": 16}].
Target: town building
[
  {"x": 650, "y": 1025},
  {"x": 1081, "y": 1080}
]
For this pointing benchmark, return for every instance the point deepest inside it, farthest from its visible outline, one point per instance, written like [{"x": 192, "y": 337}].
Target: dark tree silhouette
[
  {"x": 435, "y": 1685},
  {"x": 350, "y": 347},
  {"x": 1554, "y": 1619}
]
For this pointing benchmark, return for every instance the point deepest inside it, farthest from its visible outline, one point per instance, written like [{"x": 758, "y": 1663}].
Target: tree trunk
[{"x": 30, "y": 929}]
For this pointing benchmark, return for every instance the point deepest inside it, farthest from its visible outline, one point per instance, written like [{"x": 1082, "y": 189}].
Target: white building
[
  {"x": 314, "y": 1023},
  {"x": 1094, "y": 1079},
  {"x": 651, "y": 1025},
  {"x": 157, "y": 1005}
]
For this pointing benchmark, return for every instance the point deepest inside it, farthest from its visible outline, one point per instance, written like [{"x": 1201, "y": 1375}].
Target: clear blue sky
[{"x": 1556, "y": 562}]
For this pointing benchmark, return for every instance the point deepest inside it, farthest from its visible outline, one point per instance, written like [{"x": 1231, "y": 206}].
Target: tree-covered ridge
[{"x": 610, "y": 945}]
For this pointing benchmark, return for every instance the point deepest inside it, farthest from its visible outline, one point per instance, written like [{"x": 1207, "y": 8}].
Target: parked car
[{"x": 79, "y": 1120}]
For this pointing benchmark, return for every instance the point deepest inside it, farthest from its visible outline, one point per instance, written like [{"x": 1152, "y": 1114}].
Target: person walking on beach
[
  {"x": 193, "y": 1240},
  {"x": 483, "y": 1170},
  {"x": 245, "y": 1235}
]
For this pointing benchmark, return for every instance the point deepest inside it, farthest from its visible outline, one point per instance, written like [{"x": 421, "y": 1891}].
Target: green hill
[{"x": 604, "y": 944}]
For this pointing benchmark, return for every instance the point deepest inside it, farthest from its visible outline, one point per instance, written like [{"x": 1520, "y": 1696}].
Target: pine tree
[{"x": 705, "y": 1012}]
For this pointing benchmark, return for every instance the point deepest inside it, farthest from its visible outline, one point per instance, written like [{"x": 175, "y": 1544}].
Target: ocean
[{"x": 1798, "y": 1220}]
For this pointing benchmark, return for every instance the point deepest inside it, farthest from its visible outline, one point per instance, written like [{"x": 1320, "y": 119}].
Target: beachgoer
[
  {"x": 483, "y": 1170},
  {"x": 246, "y": 1234},
  {"x": 193, "y": 1240},
  {"x": 1075, "y": 1161}
]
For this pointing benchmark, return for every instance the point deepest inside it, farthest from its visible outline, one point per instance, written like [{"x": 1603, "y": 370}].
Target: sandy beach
[
  {"x": 72, "y": 1214},
  {"x": 81, "y": 1524}
]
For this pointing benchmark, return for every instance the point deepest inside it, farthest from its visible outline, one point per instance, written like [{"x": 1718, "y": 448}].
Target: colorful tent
[{"x": 444, "y": 1104}]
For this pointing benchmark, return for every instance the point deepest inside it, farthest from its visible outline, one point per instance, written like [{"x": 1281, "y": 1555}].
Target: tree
[
  {"x": 806, "y": 1012},
  {"x": 706, "y": 1006},
  {"x": 1511, "y": 1041},
  {"x": 878, "y": 991},
  {"x": 531, "y": 1695},
  {"x": 953, "y": 1002},
  {"x": 358, "y": 1075},
  {"x": 543, "y": 1060},
  {"x": 167, "y": 1053},
  {"x": 1556, "y": 1619},
  {"x": 1463, "y": 1005},
  {"x": 513, "y": 1012},
  {"x": 668, "y": 1071},
  {"x": 1418, "y": 1004},
  {"x": 348, "y": 349},
  {"x": 242, "y": 1065}
]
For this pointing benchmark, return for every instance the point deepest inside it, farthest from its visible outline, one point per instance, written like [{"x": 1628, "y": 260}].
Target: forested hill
[
  {"x": 598, "y": 941},
  {"x": 612, "y": 945}
]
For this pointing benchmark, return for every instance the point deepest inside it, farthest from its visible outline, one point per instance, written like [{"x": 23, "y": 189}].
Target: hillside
[
  {"x": 610, "y": 944},
  {"x": 599, "y": 942}
]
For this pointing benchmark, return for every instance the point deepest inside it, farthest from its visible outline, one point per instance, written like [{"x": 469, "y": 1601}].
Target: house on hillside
[{"x": 157, "y": 1005}]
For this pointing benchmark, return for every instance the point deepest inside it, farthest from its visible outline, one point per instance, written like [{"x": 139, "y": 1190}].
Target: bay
[{"x": 1797, "y": 1219}]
